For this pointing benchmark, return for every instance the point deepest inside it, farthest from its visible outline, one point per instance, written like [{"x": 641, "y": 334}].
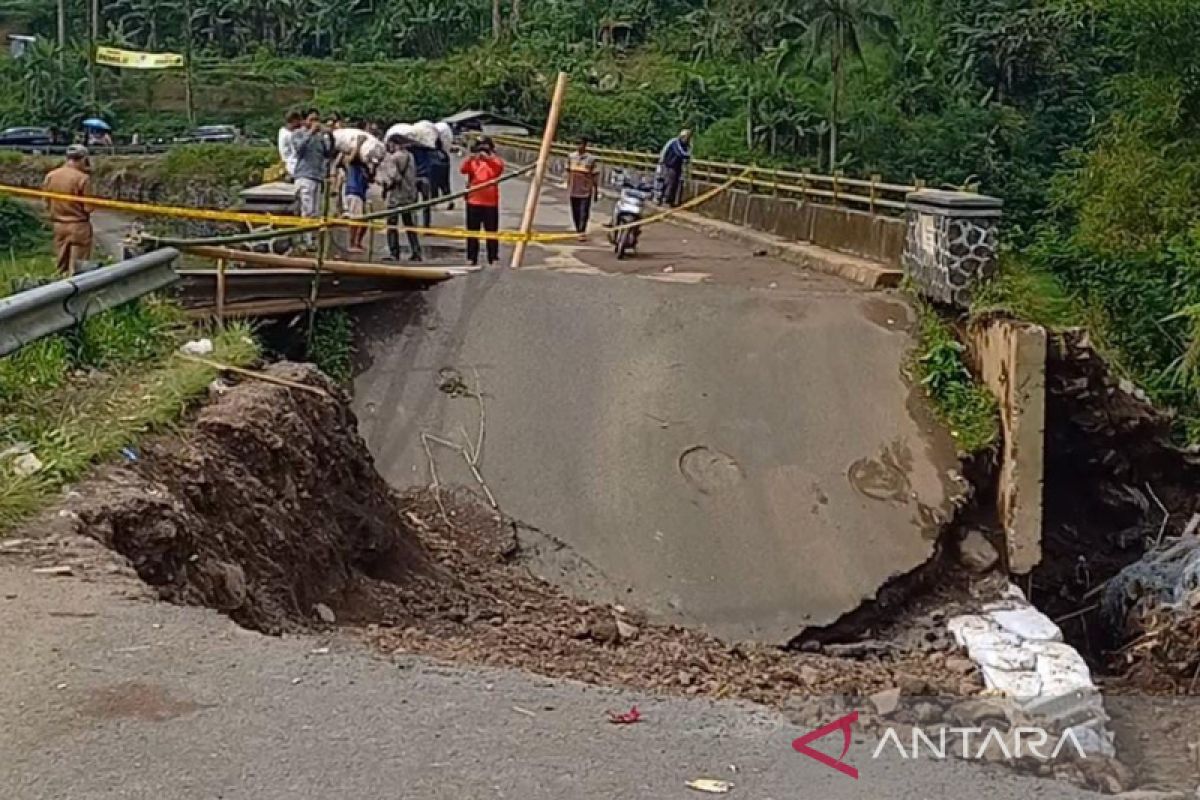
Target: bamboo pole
[
  {"x": 539, "y": 174},
  {"x": 322, "y": 251},
  {"x": 93, "y": 43},
  {"x": 330, "y": 265},
  {"x": 62, "y": 29},
  {"x": 221, "y": 292}
]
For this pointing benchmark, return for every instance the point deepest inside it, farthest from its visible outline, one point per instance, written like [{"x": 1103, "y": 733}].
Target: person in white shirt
[{"x": 287, "y": 149}]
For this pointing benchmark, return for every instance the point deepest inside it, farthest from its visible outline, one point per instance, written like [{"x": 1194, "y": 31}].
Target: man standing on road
[
  {"x": 312, "y": 165},
  {"x": 287, "y": 149},
  {"x": 423, "y": 161},
  {"x": 397, "y": 176},
  {"x": 582, "y": 186},
  {"x": 671, "y": 163},
  {"x": 72, "y": 219},
  {"x": 483, "y": 204}
]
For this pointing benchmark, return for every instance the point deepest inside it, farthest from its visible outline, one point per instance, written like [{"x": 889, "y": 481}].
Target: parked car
[
  {"x": 26, "y": 137},
  {"x": 211, "y": 134}
]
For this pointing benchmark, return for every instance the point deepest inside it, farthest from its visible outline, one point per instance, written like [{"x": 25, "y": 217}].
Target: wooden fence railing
[{"x": 872, "y": 195}]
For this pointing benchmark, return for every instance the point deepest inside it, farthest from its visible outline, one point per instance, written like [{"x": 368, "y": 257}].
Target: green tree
[{"x": 840, "y": 27}]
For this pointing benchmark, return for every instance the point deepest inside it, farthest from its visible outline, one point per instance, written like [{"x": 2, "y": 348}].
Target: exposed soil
[
  {"x": 1114, "y": 486},
  {"x": 268, "y": 508},
  {"x": 264, "y": 509}
]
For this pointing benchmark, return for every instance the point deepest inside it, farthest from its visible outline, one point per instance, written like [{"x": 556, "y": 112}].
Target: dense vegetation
[
  {"x": 1083, "y": 115},
  {"x": 71, "y": 399}
]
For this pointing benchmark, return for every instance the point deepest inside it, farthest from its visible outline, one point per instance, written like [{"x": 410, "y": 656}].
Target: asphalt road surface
[
  {"x": 714, "y": 438},
  {"x": 104, "y": 695}
]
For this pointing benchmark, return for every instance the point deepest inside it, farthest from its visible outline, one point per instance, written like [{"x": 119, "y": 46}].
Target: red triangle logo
[{"x": 843, "y": 724}]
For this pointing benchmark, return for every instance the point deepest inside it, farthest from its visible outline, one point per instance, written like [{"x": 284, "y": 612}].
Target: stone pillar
[{"x": 951, "y": 243}]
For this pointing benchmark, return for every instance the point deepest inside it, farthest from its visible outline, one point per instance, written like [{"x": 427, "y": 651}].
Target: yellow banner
[{"x": 132, "y": 59}]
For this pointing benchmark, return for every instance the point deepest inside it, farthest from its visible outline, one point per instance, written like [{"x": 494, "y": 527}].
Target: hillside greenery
[{"x": 1084, "y": 115}]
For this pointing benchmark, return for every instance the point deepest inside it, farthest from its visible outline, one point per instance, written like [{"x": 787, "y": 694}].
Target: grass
[
  {"x": 81, "y": 419},
  {"x": 961, "y": 403},
  {"x": 332, "y": 344},
  {"x": 77, "y": 398},
  {"x": 1023, "y": 291}
]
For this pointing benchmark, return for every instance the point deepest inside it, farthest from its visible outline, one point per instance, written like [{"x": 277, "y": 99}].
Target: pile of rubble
[{"x": 485, "y": 607}]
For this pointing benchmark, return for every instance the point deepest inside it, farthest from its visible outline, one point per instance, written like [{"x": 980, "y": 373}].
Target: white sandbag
[
  {"x": 404, "y": 130},
  {"x": 345, "y": 140},
  {"x": 425, "y": 133},
  {"x": 445, "y": 135}
]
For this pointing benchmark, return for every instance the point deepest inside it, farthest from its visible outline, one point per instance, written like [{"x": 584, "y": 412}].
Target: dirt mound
[{"x": 267, "y": 506}]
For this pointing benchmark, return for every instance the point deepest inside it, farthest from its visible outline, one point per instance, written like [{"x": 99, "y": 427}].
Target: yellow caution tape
[
  {"x": 247, "y": 217},
  {"x": 291, "y": 221},
  {"x": 699, "y": 199}
]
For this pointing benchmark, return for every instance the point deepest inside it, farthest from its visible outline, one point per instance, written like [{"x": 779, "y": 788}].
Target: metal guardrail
[
  {"x": 872, "y": 195},
  {"x": 61, "y": 149},
  {"x": 33, "y": 314}
]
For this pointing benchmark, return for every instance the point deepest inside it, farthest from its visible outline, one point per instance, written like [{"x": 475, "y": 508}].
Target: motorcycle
[{"x": 635, "y": 191}]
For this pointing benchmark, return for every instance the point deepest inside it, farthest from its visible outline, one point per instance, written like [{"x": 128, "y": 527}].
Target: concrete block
[{"x": 1010, "y": 359}]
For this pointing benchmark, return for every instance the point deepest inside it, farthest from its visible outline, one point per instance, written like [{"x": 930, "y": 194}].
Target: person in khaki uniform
[{"x": 72, "y": 220}]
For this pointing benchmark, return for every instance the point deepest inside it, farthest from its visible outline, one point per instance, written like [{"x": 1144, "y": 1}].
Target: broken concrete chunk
[
  {"x": 1019, "y": 685},
  {"x": 976, "y": 553},
  {"x": 325, "y": 613},
  {"x": 887, "y": 701},
  {"x": 1028, "y": 623},
  {"x": 1061, "y": 668},
  {"x": 625, "y": 630},
  {"x": 1002, "y": 650},
  {"x": 960, "y": 665},
  {"x": 975, "y": 711}
]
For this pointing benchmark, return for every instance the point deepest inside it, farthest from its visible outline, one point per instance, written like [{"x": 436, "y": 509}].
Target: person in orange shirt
[
  {"x": 72, "y": 220},
  {"x": 483, "y": 205}
]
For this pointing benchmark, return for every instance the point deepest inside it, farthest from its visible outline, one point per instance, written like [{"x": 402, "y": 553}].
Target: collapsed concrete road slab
[{"x": 748, "y": 460}]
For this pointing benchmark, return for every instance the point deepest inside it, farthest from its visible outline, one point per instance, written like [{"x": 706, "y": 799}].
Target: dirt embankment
[
  {"x": 265, "y": 508},
  {"x": 268, "y": 508}
]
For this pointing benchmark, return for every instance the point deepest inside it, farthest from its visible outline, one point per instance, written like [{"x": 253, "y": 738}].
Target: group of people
[
  {"x": 320, "y": 155},
  {"x": 332, "y": 160}
]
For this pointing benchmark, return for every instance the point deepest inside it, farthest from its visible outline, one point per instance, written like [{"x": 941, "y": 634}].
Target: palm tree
[{"x": 841, "y": 27}]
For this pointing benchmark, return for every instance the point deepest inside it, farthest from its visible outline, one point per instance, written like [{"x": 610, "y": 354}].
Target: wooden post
[
  {"x": 836, "y": 174},
  {"x": 221, "y": 292},
  {"x": 93, "y": 43},
  {"x": 62, "y": 28},
  {"x": 322, "y": 248},
  {"x": 875, "y": 178},
  {"x": 189, "y": 91},
  {"x": 539, "y": 174}
]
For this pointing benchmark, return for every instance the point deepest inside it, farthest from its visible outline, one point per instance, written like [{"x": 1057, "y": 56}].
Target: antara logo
[{"x": 1019, "y": 742}]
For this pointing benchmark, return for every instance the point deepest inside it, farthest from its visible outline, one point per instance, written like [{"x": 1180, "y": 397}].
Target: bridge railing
[
  {"x": 872, "y": 195},
  {"x": 30, "y": 315},
  {"x": 61, "y": 149}
]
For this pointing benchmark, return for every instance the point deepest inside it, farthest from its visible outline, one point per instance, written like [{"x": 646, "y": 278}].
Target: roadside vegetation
[
  {"x": 332, "y": 346},
  {"x": 939, "y": 366},
  {"x": 1083, "y": 115},
  {"x": 71, "y": 400}
]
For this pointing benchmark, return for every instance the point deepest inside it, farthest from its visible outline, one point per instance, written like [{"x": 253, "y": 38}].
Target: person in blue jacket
[{"x": 671, "y": 163}]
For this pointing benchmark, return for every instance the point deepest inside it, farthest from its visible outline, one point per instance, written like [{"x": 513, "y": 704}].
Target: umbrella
[{"x": 96, "y": 122}]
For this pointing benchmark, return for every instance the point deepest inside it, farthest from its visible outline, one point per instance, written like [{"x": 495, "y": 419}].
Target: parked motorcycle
[{"x": 630, "y": 208}]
